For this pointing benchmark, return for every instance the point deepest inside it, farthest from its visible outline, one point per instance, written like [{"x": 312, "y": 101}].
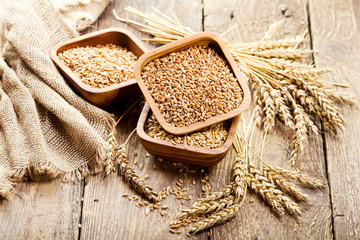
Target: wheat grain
[
  {"x": 101, "y": 65},
  {"x": 210, "y": 137},
  {"x": 192, "y": 85}
]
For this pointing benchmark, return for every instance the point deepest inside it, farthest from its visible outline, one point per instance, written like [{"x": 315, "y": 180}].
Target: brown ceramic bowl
[
  {"x": 192, "y": 155},
  {"x": 101, "y": 97},
  {"x": 211, "y": 40}
]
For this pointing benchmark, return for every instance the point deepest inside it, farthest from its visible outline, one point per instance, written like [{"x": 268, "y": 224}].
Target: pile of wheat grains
[
  {"x": 211, "y": 137},
  {"x": 101, "y": 65},
  {"x": 192, "y": 85}
]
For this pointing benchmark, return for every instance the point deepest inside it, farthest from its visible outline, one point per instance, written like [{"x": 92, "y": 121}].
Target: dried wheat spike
[
  {"x": 110, "y": 158},
  {"x": 271, "y": 194},
  {"x": 132, "y": 178},
  {"x": 282, "y": 110},
  {"x": 300, "y": 135},
  {"x": 205, "y": 208},
  {"x": 269, "y": 110},
  {"x": 291, "y": 206},
  {"x": 340, "y": 96},
  {"x": 283, "y": 53},
  {"x": 259, "y": 104},
  {"x": 313, "y": 74},
  {"x": 273, "y": 44},
  {"x": 273, "y": 29},
  {"x": 268, "y": 44},
  {"x": 284, "y": 185},
  {"x": 299, "y": 177},
  {"x": 212, "y": 196},
  {"x": 265, "y": 106},
  {"x": 215, "y": 218},
  {"x": 239, "y": 173},
  {"x": 331, "y": 112},
  {"x": 288, "y": 65},
  {"x": 260, "y": 185},
  {"x": 309, "y": 104}
]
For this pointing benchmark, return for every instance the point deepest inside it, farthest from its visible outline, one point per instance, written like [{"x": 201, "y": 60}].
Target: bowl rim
[
  {"x": 55, "y": 50},
  {"x": 183, "y": 44},
  {"x": 180, "y": 146}
]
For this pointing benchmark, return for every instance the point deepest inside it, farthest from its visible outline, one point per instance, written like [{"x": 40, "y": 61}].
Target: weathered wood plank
[
  {"x": 114, "y": 216},
  {"x": 42, "y": 210},
  {"x": 256, "y": 220},
  {"x": 337, "y": 41}
]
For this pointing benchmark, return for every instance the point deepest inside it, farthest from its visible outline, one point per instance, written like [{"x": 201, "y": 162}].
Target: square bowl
[
  {"x": 179, "y": 152},
  {"x": 207, "y": 39},
  {"x": 101, "y": 97}
]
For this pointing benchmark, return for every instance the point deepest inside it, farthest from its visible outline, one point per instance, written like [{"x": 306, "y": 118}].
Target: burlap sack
[{"x": 45, "y": 128}]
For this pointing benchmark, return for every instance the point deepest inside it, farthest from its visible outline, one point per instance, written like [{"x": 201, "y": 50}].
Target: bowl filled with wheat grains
[
  {"x": 192, "y": 83},
  {"x": 100, "y": 65},
  {"x": 204, "y": 147}
]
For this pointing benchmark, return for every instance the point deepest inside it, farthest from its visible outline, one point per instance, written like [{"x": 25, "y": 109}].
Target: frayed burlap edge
[{"x": 48, "y": 170}]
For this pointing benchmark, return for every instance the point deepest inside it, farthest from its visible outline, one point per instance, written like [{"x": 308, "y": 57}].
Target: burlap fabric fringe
[{"x": 45, "y": 128}]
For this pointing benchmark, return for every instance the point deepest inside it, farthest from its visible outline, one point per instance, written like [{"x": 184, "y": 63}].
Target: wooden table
[{"x": 53, "y": 210}]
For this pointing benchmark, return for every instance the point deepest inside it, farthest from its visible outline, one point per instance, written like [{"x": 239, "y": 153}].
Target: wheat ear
[
  {"x": 215, "y": 218},
  {"x": 112, "y": 144},
  {"x": 130, "y": 175}
]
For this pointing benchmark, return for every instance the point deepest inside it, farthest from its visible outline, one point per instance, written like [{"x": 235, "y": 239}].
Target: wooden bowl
[
  {"x": 192, "y": 155},
  {"x": 101, "y": 97},
  {"x": 211, "y": 40}
]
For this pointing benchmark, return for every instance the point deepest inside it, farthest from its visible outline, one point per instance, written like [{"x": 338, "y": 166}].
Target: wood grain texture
[
  {"x": 337, "y": 41},
  {"x": 114, "y": 216},
  {"x": 42, "y": 210},
  {"x": 256, "y": 220}
]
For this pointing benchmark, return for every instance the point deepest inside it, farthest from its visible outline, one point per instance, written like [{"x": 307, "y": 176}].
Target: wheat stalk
[
  {"x": 273, "y": 29},
  {"x": 215, "y": 218},
  {"x": 205, "y": 208},
  {"x": 110, "y": 163},
  {"x": 212, "y": 196},
  {"x": 260, "y": 185},
  {"x": 302, "y": 178},
  {"x": 270, "y": 44},
  {"x": 300, "y": 133},
  {"x": 129, "y": 173},
  {"x": 283, "y": 184}
]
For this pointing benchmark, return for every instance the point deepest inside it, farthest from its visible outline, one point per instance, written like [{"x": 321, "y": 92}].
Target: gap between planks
[{"x": 322, "y": 128}]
